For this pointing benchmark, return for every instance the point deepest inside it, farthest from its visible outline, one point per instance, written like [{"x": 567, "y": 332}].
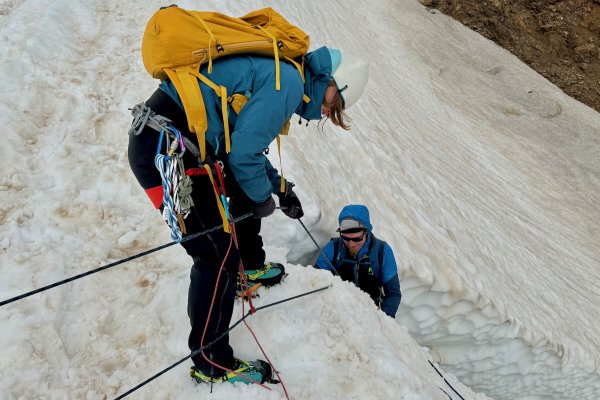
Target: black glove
[
  {"x": 289, "y": 202},
  {"x": 265, "y": 208}
]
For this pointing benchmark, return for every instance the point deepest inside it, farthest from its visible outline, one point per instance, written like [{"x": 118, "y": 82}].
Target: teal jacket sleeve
[
  {"x": 273, "y": 176},
  {"x": 257, "y": 126}
]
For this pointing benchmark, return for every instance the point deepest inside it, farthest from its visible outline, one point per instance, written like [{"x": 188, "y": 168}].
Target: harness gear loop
[{"x": 143, "y": 115}]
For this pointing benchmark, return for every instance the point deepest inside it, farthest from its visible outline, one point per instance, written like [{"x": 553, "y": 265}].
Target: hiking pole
[{"x": 319, "y": 247}]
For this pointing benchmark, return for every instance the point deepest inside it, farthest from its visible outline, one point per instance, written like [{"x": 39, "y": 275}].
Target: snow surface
[{"x": 482, "y": 175}]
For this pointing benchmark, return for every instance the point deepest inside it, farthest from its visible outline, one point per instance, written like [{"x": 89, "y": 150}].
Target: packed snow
[{"x": 482, "y": 176}]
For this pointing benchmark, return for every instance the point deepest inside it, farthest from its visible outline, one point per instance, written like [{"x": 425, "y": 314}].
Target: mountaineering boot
[
  {"x": 243, "y": 371},
  {"x": 270, "y": 274}
]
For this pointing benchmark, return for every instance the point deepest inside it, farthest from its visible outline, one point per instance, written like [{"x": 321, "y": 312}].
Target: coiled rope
[{"x": 177, "y": 186}]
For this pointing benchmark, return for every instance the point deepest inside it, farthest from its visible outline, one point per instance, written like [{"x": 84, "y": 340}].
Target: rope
[
  {"x": 113, "y": 264},
  {"x": 447, "y": 383},
  {"x": 217, "y": 339},
  {"x": 446, "y": 393},
  {"x": 184, "y": 194},
  {"x": 253, "y": 310},
  {"x": 177, "y": 190},
  {"x": 219, "y": 184},
  {"x": 326, "y": 258},
  {"x": 165, "y": 167}
]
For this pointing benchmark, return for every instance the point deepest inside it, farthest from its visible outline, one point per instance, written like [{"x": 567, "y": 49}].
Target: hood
[
  {"x": 357, "y": 212},
  {"x": 317, "y": 74}
]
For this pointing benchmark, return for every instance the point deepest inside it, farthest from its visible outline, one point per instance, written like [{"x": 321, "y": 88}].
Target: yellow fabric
[
  {"x": 181, "y": 223},
  {"x": 222, "y": 93},
  {"x": 237, "y": 101},
  {"x": 226, "y": 226},
  {"x": 177, "y": 42},
  {"x": 300, "y": 68},
  {"x": 212, "y": 41},
  {"x": 284, "y": 131},
  {"x": 285, "y": 128},
  {"x": 191, "y": 97},
  {"x": 176, "y": 37},
  {"x": 276, "y": 56},
  {"x": 282, "y": 185},
  {"x": 225, "y": 118}
]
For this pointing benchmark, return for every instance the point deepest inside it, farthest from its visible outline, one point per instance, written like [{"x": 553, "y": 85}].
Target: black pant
[{"x": 211, "y": 251}]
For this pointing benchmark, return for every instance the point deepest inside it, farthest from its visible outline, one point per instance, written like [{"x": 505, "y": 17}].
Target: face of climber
[
  {"x": 328, "y": 100},
  {"x": 354, "y": 241}
]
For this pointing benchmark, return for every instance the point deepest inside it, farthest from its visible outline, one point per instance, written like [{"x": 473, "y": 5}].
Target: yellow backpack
[{"x": 177, "y": 41}]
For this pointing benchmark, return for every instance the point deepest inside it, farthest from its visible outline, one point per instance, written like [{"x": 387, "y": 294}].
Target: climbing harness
[
  {"x": 143, "y": 115},
  {"x": 176, "y": 180}
]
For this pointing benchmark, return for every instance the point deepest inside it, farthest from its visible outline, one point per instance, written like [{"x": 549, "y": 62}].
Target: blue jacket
[
  {"x": 263, "y": 116},
  {"x": 389, "y": 270}
]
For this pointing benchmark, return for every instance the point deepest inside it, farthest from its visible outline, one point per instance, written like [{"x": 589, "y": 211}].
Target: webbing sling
[{"x": 224, "y": 214}]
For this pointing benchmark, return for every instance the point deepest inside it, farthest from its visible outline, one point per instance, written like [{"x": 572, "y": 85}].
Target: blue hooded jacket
[
  {"x": 263, "y": 116},
  {"x": 389, "y": 270}
]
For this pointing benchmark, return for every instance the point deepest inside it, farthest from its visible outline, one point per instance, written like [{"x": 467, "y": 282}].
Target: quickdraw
[
  {"x": 177, "y": 186},
  {"x": 176, "y": 181}
]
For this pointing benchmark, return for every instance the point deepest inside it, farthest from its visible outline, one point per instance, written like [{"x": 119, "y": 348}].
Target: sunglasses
[{"x": 353, "y": 239}]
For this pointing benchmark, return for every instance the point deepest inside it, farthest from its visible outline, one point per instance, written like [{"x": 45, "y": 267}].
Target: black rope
[
  {"x": 195, "y": 235},
  {"x": 446, "y": 393},
  {"x": 216, "y": 340},
  {"x": 447, "y": 383},
  {"x": 319, "y": 247}
]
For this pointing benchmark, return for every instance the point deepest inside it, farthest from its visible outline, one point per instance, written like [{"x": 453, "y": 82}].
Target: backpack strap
[
  {"x": 337, "y": 255},
  {"x": 276, "y": 56},
  {"x": 189, "y": 92},
  {"x": 221, "y": 92},
  {"x": 183, "y": 78},
  {"x": 376, "y": 255},
  {"x": 300, "y": 68}
]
